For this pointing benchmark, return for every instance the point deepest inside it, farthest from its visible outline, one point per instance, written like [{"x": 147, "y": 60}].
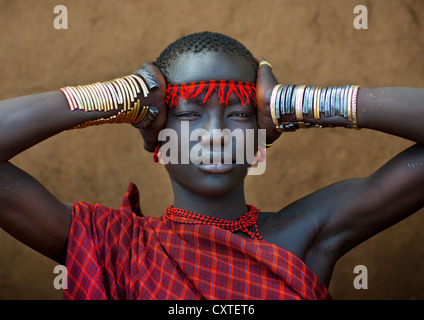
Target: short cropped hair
[{"x": 202, "y": 42}]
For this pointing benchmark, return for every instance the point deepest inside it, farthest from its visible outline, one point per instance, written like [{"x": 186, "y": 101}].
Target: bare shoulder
[
  {"x": 306, "y": 227},
  {"x": 296, "y": 229},
  {"x": 322, "y": 226},
  {"x": 33, "y": 215}
]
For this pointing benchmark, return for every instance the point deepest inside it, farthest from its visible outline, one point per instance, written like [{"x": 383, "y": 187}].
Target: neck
[{"x": 229, "y": 206}]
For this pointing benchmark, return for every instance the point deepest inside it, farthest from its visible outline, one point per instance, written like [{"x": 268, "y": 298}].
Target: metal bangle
[
  {"x": 272, "y": 106},
  {"x": 284, "y": 108},
  {"x": 342, "y": 102},
  {"x": 278, "y": 103},
  {"x": 266, "y": 63},
  {"x": 311, "y": 102},
  {"x": 305, "y": 100},
  {"x": 337, "y": 111},
  {"x": 333, "y": 102},
  {"x": 327, "y": 102},
  {"x": 288, "y": 98},
  {"x": 322, "y": 99}
]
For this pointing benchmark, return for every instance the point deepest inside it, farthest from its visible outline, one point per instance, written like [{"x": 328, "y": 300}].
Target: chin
[
  {"x": 215, "y": 186},
  {"x": 203, "y": 183}
]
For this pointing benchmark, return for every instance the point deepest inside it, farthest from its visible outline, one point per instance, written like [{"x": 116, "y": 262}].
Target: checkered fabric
[{"x": 120, "y": 254}]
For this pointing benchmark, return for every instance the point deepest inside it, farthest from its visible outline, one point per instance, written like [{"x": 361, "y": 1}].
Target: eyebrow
[{"x": 245, "y": 91}]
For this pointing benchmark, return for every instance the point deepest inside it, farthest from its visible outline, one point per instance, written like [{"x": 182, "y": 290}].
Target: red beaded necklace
[{"x": 241, "y": 224}]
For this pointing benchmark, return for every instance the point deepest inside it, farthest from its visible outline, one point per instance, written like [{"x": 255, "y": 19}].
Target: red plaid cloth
[{"x": 120, "y": 254}]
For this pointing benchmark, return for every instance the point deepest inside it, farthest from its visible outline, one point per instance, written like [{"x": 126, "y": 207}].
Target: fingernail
[{"x": 148, "y": 77}]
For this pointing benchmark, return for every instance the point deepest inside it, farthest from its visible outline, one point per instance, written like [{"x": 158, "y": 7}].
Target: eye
[
  {"x": 239, "y": 114},
  {"x": 187, "y": 115}
]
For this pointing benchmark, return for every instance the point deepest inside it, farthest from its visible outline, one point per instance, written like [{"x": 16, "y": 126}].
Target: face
[{"x": 209, "y": 126}]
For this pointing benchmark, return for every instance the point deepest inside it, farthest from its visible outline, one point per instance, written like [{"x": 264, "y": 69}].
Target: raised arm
[
  {"x": 28, "y": 211},
  {"x": 397, "y": 111},
  {"x": 350, "y": 211},
  {"x": 365, "y": 206}
]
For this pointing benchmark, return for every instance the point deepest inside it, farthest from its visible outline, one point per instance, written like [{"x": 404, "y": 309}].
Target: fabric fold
[{"x": 121, "y": 254}]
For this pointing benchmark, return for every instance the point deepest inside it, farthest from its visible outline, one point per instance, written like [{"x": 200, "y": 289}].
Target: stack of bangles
[
  {"x": 312, "y": 101},
  {"x": 119, "y": 94}
]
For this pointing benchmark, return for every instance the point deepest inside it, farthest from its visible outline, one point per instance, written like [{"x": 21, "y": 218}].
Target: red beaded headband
[{"x": 245, "y": 91}]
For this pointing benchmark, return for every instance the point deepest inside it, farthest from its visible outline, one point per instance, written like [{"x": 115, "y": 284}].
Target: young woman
[{"x": 209, "y": 244}]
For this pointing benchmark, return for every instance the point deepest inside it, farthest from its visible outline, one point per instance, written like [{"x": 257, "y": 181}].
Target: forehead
[{"x": 204, "y": 66}]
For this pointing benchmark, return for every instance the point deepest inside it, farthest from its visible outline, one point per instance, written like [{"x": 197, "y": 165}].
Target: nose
[{"x": 215, "y": 131}]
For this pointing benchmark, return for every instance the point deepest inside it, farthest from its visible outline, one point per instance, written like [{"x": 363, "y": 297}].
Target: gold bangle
[
  {"x": 139, "y": 111},
  {"x": 131, "y": 88},
  {"x": 265, "y": 63},
  {"x": 93, "y": 96},
  {"x": 317, "y": 96},
  {"x": 100, "y": 95},
  {"x": 71, "y": 99},
  {"x": 349, "y": 104},
  {"x": 109, "y": 95},
  {"x": 299, "y": 103},
  {"x": 142, "y": 114},
  {"x": 142, "y": 84},
  {"x": 118, "y": 92},
  {"x": 301, "y": 125},
  {"x": 129, "y": 93},
  {"x": 112, "y": 92},
  {"x": 85, "y": 97},
  {"x": 125, "y": 94},
  {"x": 75, "y": 94},
  {"x": 132, "y": 82},
  {"x": 131, "y": 115},
  {"x": 354, "y": 104}
]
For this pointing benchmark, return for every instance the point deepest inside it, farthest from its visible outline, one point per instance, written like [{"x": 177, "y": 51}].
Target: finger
[
  {"x": 263, "y": 62},
  {"x": 148, "y": 78},
  {"x": 265, "y": 71},
  {"x": 150, "y": 67},
  {"x": 149, "y": 142},
  {"x": 147, "y": 120},
  {"x": 151, "y": 75},
  {"x": 259, "y": 59}
]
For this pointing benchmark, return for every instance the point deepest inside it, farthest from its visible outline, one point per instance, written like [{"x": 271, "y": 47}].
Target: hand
[
  {"x": 265, "y": 82},
  {"x": 155, "y": 120}
]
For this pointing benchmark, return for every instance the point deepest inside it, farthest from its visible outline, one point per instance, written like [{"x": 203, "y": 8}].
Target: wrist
[
  {"x": 294, "y": 107},
  {"x": 116, "y": 101}
]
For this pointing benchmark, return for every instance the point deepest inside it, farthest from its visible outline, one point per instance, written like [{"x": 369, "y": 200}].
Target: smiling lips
[
  {"x": 216, "y": 168},
  {"x": 215, "y": 162}
]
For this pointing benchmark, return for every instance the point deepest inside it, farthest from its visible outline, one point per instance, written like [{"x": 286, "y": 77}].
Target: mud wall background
[{"x": 308, "y": 42}]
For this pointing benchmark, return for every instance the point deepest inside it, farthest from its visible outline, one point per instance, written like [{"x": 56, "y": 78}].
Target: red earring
[
  {"x": 261, "y": 156},
  {"x": 156, "y": 153}
]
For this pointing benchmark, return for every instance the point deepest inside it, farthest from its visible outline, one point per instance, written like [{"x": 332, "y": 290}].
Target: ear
[{"x": 156, "y": 100}]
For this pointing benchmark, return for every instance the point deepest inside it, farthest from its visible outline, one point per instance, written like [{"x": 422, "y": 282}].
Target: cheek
[
  {"x": 184, "y": 135},
  {"x": 246, "y": 140}
]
